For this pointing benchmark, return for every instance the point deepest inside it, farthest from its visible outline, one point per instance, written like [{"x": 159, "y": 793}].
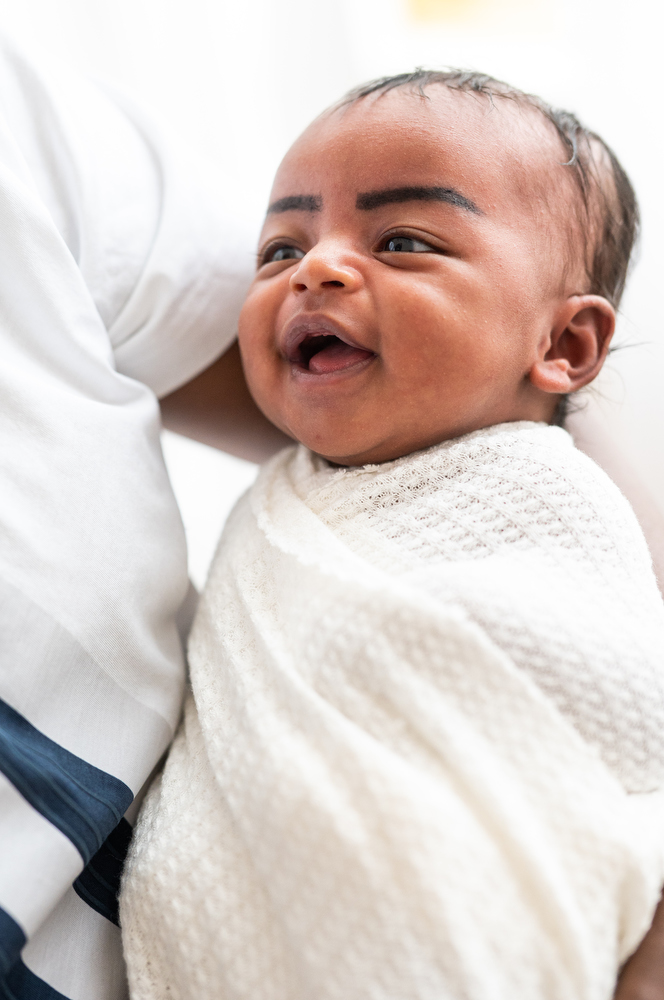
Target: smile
[{"x": 322, "y": 349}]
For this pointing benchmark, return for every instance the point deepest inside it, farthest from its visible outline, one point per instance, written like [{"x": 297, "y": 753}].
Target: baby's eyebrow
[
  {"x": 375, "y": 199},
  {"x": 297, "y": 202}
]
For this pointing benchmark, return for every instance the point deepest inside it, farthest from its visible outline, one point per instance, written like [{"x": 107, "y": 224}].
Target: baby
[{"x": 424, "y": 752}]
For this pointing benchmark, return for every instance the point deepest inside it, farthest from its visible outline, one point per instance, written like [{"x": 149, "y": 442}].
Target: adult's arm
[
  {"x": 217, "y": 409},
  {"x": 642, "y": 977}
]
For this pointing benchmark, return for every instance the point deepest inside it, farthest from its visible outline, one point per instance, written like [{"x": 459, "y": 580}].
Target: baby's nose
[{"x": 322, "y": 270}]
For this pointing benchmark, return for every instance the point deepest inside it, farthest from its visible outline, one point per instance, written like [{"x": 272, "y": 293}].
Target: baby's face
[{"x": 409, "y": 274}]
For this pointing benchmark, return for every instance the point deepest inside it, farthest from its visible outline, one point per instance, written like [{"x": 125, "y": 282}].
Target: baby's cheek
[
  {"x": 254, "y": 313},
  {"x": 257, "y": 349},
  {"x": 262, "y": 378}
]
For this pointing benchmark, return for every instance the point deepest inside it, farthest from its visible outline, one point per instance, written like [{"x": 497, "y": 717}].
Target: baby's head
[{"x": 441, "y": 253}]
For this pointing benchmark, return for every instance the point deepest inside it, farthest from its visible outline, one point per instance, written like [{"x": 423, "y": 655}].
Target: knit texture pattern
[{"x": 423, "y": 755}]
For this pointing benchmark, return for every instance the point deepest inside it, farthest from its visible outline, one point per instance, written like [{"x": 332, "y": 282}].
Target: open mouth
[{"x": 322, "y": 353}]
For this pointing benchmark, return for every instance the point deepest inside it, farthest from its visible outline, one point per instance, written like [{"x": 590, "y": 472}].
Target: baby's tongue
[{"x": 336, "y": 356}]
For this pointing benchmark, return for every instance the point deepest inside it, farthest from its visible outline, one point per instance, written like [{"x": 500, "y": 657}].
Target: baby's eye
[
  {"x": 283, "y": 252},
  {"x": 406, "y": 244}
]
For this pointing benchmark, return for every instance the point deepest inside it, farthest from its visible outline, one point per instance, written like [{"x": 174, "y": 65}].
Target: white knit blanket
[{"x": 423, "y": 755}]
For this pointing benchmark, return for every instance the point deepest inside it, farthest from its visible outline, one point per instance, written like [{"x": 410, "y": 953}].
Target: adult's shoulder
[{"x": 152, "y": 230}]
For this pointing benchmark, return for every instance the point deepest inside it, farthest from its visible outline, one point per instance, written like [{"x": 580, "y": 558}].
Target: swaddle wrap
[{"x": 423, "y": 754}]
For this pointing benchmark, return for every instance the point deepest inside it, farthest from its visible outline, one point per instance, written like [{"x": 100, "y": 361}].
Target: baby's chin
[
  {"x": 367, "y": 427},
  {"x": 358, "y": 450},
  {"x": 343, "y": 452}
]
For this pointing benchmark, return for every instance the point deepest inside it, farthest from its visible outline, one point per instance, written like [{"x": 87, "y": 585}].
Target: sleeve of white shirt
[{"x": 121, "y": 275}]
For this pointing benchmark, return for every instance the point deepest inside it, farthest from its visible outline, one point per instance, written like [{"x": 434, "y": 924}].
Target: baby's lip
[{"x": 303, "y": 335}]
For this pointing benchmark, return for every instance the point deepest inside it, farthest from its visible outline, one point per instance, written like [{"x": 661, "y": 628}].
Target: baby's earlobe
[
  {"x": 578, "y": 345},
  {"x": 552, "y": 375}
]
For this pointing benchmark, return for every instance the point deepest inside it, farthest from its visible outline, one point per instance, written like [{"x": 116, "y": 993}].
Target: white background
[{"x": 240, "y": 80}]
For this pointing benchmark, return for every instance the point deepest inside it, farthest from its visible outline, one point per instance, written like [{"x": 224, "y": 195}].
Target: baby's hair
[{"x": 611, "y": 213}]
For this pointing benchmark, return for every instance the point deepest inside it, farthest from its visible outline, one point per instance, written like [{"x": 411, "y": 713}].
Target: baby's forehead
[{"x": 497, "y": 150}]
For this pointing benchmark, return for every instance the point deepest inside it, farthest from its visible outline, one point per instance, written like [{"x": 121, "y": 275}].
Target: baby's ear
[{"x": 577, "y": 346}]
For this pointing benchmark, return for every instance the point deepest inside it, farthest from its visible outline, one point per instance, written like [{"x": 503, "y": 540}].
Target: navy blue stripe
[
  {"x": 12, "y": 939},
  {"x": 84, "y": 803},
  {"x": 17, "y": 982},
  {"x": 22, "y": 984},
  {"x": 99, "y": 882}
]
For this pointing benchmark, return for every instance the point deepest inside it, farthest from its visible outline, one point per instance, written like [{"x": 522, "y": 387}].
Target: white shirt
[{"x": 121, "y": 275}]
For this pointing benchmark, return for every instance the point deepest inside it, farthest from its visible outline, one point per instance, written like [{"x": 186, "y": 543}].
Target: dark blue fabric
[
  {"x": 99, "y": 882},
  {"x": 22, "y": 984},
  {"x": 84, "y": 803},
  {"x": 12, "y": 940},
  {"x": 16, "y": 980}
]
